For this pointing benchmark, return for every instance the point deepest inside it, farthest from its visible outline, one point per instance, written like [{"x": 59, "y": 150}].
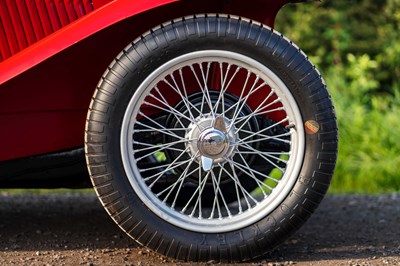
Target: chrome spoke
[
  {"x": 180, "y": 187},
  {"x": 172, "y": 166},
  {"x": 261, "y": 154},
  {"x": 155, "y": 151},
  {"x": 259, "y": 183},
  {"x": 221, "y": 194},
  {"x": 244, "y": 169},
  {"x": 242, "y": 189},
  {"x": 185, "y": 96},
  {"x": 242, "y": 101},
  {"x": 252, "y": 90},
  {"x": 165, "y": 102},
  {"x": 166, "y": 131},
  {"x": 236, "y": 105},
  {"x": 204, "y": 89},
  {"x": 205, "y": 79},
  {"x": 258, "y": 108},
  {"x": 180, "y": 180},
  {"x": 223, "y": 87},
  {"x": 262, "y": 107},
  {"x": 268, "y": 154},
  {"x": 238, "y": 187},
  {"x": 153, "y": 168},
  {"x": 184, "y": 99},
  {"x": 172, "y": 111},
  {"x": 160, "y": 130},
  {"x": 240, "y": 208},
  {"x": 263, "y": 130},
  {"x": 242, "y": 118},
  {"x": 152, "y": 145},
  {"x": 252, "y": 175},
  {"x": 201, "y": 184},
  {"x": 216, "y": 201},
  {"x": 266, "y": 137}
]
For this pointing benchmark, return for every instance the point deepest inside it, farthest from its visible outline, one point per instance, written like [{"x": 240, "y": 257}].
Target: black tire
[{"x": 113, "y": 184}]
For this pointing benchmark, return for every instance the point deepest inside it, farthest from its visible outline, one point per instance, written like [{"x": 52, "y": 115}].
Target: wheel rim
[{"x": 182, "y": 131}]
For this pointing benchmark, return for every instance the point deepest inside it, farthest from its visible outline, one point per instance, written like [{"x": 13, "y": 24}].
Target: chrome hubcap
[
  {"x": 213, "y": 140},
  {"x": 212, "y": 143}
]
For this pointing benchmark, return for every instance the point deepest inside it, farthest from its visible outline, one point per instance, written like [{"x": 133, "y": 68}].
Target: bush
[{"x": 356, "y": 46}]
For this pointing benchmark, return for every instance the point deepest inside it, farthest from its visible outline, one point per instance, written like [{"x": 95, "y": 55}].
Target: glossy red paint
[
  {"x": 46, "y": 88},
  {"x": 70, "y": 34},
  {"x": 26, "y": 22}
]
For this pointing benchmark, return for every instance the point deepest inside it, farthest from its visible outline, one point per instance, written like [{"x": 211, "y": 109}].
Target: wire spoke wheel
[
  {"x": 212, "y": 141},
  {"x": 211, "y": 138}
]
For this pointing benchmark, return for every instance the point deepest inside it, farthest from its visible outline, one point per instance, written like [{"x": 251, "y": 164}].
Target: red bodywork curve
[
  {"x": 46, "y": 88},
  {"x": 73, "y": 33}
]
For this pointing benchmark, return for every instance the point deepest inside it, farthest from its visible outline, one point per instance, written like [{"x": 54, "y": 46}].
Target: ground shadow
[
  {"x": 54, "y": 222},
  {"x": 352, "y": 227}
]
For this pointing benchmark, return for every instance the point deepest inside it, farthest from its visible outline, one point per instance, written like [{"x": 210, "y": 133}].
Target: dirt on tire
[{"x": 74, "y": 229}]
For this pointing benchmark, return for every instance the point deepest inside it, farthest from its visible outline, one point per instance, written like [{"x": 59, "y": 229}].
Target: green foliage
[
  {"x": 369, "y": 128},
  {"x": 356, "y": 46}
]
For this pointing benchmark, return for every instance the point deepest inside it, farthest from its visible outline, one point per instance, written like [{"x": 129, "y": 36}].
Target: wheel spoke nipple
[{"x": 291, "y": 126}]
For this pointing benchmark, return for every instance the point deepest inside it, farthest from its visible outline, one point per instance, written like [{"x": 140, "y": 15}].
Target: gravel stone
[{"x": 73, "y": 229}]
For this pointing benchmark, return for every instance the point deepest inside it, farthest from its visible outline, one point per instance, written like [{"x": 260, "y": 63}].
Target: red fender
[{"x": 88, "y": 25}]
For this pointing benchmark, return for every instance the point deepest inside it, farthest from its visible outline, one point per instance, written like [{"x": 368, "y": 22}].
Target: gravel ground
[{"x": 75, "y": 230}]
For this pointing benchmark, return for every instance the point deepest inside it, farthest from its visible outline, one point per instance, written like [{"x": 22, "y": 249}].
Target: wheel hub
[{"x": 212, "y": 138}]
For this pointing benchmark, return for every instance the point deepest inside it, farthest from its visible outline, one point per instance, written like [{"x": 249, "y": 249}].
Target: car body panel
[{"x": 46, "y": 88}]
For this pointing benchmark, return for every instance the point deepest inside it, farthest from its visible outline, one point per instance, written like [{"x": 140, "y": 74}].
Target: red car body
[
  {"x": 54, "y": 52},
  {"x": 52, "y": 55}
]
